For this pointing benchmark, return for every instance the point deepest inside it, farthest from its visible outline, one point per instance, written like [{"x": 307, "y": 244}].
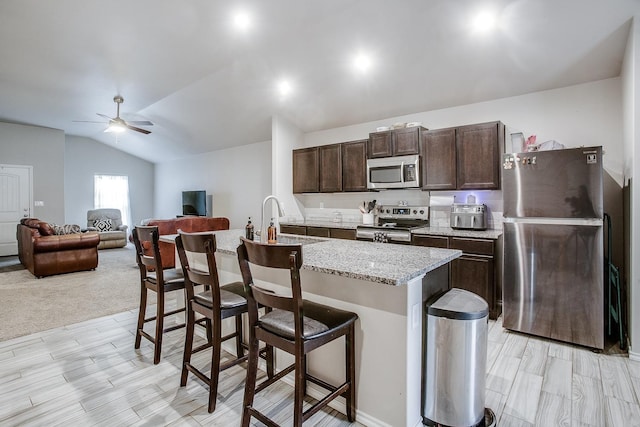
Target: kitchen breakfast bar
[{"x": 386, "y": 285}]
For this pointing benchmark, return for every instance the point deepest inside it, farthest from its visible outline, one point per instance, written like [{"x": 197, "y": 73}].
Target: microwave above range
[{"x": 393, "y": 172}]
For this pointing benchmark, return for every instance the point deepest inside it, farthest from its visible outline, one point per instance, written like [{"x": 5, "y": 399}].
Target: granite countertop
[{"x": 375, "y": 262}]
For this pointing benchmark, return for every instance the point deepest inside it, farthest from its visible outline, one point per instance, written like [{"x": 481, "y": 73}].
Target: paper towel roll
[{"x": 440, "y": 201}]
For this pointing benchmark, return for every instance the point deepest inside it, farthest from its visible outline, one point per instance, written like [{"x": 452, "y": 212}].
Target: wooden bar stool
[
  {"x": 154, "y": 278},
  {"x": 293, "y": 325},
  {"x": 216, "y": 303}
]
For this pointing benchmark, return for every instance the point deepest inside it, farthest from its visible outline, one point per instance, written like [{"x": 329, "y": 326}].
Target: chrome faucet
[{"x": 263, "y": 226}]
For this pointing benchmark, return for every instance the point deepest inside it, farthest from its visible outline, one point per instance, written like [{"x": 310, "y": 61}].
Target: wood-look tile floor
[{"x": 89, "y": 374}]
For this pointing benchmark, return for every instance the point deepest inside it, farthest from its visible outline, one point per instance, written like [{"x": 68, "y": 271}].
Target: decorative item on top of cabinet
[
  {"x": 354, "y": 165},
  {"x": 330, "y": 168},
  {"x": 396, "y": 142},
  {"x": 306, "y": 170}
]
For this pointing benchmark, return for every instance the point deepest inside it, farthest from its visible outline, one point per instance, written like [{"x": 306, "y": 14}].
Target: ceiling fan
[{"x": 117, "y": 124}]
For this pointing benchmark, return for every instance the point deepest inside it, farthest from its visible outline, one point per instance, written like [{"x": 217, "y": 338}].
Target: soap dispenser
[
  {"x": 249, "y": 230},
  {"x": 271, "y": 233}
]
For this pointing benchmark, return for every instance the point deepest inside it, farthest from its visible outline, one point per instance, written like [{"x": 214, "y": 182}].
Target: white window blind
[{"x": 112, "y": 191}]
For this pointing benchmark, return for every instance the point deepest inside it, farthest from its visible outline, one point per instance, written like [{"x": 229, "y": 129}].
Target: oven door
[{"x": 383, "y": 235}]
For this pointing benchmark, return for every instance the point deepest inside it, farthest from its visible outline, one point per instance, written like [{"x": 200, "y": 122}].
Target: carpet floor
[{"x": 29, "y": 305}]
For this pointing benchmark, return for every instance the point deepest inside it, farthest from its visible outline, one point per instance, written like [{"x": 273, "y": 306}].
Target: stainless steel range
[{"x": 394, "y": 224}]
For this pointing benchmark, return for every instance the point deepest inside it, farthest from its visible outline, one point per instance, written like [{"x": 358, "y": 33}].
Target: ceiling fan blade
[
  {"x": 106, "y": 117},
  {"x": 144, "y": 131},
  {"x": 86, "y": 121},
  {"x": 139, "y": 122}
]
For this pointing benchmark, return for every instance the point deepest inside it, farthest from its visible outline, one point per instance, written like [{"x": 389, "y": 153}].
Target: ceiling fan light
[{"x": 116, "y": 127}]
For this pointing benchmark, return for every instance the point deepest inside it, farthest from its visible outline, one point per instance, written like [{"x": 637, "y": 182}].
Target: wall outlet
[
  {"x": 321, "y": 205},
  {"x": 38, "y": 203}
]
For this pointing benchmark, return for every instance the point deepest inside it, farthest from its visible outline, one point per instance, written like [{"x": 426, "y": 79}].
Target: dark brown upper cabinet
[
  {"x": 478, "y": 156},
  {"x": 439, "y": 159},
  {"x": 330, "y": 168},
  {"x": 406, "y": 141},
  {"x": 462, "y": 158},
  {"x": 396, "y": 142},
  {"x": 379, "y": 145},
  {"x": 354, "y": 165},
  {"x": 306, "y": 170}
]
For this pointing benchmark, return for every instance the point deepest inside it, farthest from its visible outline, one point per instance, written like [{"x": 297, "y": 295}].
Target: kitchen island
[{"x": 386, "y": 285}]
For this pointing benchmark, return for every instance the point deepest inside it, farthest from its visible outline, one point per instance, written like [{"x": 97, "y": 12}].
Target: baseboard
[{"x": 634, "y": 356}]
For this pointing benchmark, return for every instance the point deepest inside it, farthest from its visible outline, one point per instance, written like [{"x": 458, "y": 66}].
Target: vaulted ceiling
[{"x": 206, "y": 85}]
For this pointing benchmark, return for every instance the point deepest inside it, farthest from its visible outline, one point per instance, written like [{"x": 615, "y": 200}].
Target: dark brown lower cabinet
[
  {"x": 342, "y": 233},
  {"x": 317, "y": 231},
  {"x": 475, "y": 273},
  {"x": 475, "y": 270},
  {"x": 335, "y": 233},
  {"x": 293, "y": 229}
]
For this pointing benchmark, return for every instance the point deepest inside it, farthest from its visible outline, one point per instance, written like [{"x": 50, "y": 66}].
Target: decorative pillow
[
  {"x": 66, "y": 229},
  {"x": 32, "y": 222},
  {"x": 45, "y": 229},
  {"x": 103, "y": 224}
]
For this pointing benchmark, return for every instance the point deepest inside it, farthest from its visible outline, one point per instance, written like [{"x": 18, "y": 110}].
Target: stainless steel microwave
[{"x": 393, "y": 172}]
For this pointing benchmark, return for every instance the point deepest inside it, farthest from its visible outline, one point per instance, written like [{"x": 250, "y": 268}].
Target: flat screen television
[{"x": 194, "y": 202}]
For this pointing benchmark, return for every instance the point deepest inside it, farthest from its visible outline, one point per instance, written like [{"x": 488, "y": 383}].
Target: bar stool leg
[
  {"x": 188, "y": 345},
  {"x": 159, "y": 327},
  {"x": 215, "y": 365},
  {"x": 299, "y": 389},
  {"x": 351, "y": 372},
  {"x": 239, "y": 348},
  {"x": 250, "y": 382},
  {"x": 141, "y": 315}
]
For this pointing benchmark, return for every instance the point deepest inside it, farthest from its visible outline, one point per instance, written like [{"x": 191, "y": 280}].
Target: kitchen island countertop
[{"x": 388, "y": 264}]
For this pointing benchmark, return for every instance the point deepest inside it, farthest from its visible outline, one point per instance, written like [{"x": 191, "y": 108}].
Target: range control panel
[{"x": 404, "y": 212}]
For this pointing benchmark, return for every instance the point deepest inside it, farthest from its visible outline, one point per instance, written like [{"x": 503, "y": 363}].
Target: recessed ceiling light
[
  {"x": 485, "y": 21},
  {"x": 242, "y": 20},
  {"x": 362, "y": 62},
  {"x": 284, "y": 88}
]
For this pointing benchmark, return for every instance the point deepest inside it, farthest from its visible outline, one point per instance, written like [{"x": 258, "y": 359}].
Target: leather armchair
[{"x": 114, "y": 236}]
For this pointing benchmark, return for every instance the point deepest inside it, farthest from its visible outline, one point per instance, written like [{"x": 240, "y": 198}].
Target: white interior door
[{"x": 15, "y": 203}]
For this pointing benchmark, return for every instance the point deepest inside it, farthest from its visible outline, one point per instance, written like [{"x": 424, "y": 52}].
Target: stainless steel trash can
[{"x": 456, "y": 359}]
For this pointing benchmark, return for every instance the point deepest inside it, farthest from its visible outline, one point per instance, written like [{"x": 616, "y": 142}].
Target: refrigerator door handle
[{"x": 594, "y": 222}]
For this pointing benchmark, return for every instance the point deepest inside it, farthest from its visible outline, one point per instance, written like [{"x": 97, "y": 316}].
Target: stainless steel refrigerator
[{"x": 553, "y": 281}]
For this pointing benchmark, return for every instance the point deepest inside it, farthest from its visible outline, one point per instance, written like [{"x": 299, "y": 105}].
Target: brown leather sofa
[
  {"x": 44, "y": 253},
  {"x": 188, "y": 224}
]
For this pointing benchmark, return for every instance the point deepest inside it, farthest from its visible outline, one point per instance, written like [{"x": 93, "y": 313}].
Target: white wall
[
  {"x": 42, "y": 148},
  {"x": 85, "y": 158},
  {"x": 286, "y": 137},
  {"x": 631, "y": 103},
  {"x": 239, "y": 179}
]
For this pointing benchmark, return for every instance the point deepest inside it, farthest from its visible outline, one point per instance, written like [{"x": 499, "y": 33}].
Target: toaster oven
[{"x": 466, "y": 216}]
